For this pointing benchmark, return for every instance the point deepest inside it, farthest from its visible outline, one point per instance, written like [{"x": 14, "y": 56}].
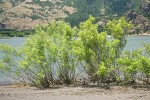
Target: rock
[
  {"x": 145, "y": 8},
  {"x": 1, "y": 94},
  {"x": 131, "y": 15},
  {"x": 2, "y": 25},
  {"x": 141, "y": 23}
]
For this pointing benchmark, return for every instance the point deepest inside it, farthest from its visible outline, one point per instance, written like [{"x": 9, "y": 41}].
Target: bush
[
  {"x": 45, "y": 57},
  {"x": 55, "y": 53}
]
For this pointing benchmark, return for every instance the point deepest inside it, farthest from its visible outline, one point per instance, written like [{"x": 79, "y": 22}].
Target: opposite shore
[{"x": 144, "y": 34}]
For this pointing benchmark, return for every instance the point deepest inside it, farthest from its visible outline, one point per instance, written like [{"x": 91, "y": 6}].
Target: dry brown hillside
[{"x": 25, "y": 14}]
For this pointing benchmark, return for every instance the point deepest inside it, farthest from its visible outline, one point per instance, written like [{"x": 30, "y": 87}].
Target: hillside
[{"x": 26, "y": 14}]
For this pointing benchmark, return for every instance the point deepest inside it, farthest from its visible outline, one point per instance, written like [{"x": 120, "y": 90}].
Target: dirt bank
[{"x": 73, "y": 93}]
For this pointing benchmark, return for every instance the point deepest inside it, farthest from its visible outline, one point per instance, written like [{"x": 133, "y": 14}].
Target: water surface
[
  {"x": 136, "y": 42},
  {"x": 15, "y": 42}
]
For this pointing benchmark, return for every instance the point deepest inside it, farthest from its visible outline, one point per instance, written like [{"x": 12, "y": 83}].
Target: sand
[{"x": 73, "y": 93}]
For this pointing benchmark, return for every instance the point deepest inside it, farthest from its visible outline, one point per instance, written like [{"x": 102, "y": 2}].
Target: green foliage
[
  {"x": 35, "y": 17},
  {"x": 133, "y": 63},
  {"x": 84, "y": 9},
  {"x": 119, "y": 29},
  {"x": 130, "y": 64},
  {"x": 96, "y": 49},
  {"x": 100, "y": 9},
  {"x": 117, "y": 6},
  {"x": 102, "y": 71},
  {"x": 1, "y": 10},
  {"x": 147, "y": 49},
  {"x": 136, "y": 5},
  {"x": 45, "y": 55},
  {"x": 9, "y": 63},
  {"x": 43, "y": 3},
  {"x": 145, "y": 66},
  {"x": 55, "y": 52},
  {"x": 145, "y": 62},
  {"x": 15, "y": 33}
]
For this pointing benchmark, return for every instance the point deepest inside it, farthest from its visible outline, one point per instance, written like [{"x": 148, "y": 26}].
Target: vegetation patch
[
  {"x": 61, "y": 54},
  {"x": 15, "y": 33}
]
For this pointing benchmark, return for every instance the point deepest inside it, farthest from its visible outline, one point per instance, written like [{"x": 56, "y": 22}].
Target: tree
[
  {"x": 55, "y": 52},
  {"x": 96, "y": 50},
  {"x": 9, "y": 64},
  {"x": 118, "y": 30},
  {"x": 129, "y": 64},
  {"x": 135, "y": 65},
  {"x": 46, "y": 58},
  {"x": 147, "y": 49},
  {"x": 145, "y": 68},
  {"x": 145, "y": 62}
]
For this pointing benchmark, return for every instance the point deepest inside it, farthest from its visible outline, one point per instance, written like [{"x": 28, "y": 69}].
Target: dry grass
[
  {"x": 19, "y": 17},
  {"x": 6, "y": 5}
]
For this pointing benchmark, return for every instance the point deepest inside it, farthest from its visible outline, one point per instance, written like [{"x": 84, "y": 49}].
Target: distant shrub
[{"x": 35, "y": 17}]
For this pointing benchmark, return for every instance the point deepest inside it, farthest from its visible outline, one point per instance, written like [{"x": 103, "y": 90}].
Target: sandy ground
[{"x": 73, "y": 93}]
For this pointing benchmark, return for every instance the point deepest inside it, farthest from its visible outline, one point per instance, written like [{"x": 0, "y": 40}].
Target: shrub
[{"x": 55, "y": 52}]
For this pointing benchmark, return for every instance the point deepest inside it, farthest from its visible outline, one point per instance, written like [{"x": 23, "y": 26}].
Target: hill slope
[{"x": 25, "y": 14}]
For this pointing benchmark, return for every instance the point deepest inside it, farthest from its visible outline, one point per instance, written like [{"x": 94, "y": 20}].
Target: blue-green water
[
  {"x": 134, "y": 42},
  {"x": 16, "y": 42}
]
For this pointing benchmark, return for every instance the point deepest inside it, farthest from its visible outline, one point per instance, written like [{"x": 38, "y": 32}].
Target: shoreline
[
  {"x": 73, "y": 93},
  {"x": 144, "y": 34}
]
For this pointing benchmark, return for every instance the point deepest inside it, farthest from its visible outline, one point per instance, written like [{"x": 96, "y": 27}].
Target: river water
[
  {"x": 16, "y": 42},
  {"x": 134, "y": 42}
]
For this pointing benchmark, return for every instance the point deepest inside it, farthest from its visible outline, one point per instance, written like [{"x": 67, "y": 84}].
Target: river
[
  {"x": 16, "y": 42},
  {"x": 134, "y": 42}
]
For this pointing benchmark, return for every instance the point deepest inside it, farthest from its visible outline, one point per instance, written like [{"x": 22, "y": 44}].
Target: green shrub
[{"x": 55, "y": 52}]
